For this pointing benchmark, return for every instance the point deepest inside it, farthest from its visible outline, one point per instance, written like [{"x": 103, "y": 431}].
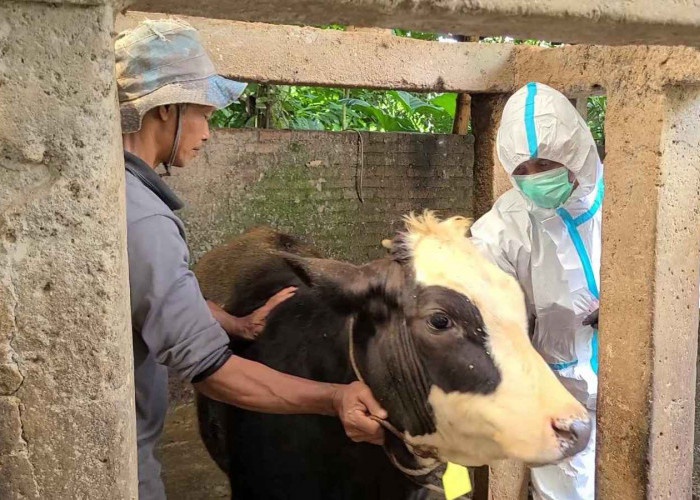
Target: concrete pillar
[
  {"x": 509, "y": 480},
  {"x": 66, "y": 383},
  {"x": 696, "y": 444},
  {"x": 649, "y": 313},
  {"x": 490, "y": 180}
]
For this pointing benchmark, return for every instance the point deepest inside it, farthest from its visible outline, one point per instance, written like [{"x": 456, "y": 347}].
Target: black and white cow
[{"x": 436, "y": 331}]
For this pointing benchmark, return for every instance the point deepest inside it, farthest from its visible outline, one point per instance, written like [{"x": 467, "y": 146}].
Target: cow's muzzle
[{"x": 572, "y": 434}]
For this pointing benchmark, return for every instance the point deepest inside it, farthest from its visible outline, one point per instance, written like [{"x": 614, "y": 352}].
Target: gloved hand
[{"x": 592, "y": 319}]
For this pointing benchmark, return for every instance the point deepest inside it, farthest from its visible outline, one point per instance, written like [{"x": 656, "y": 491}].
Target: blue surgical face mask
[{"x": 546, "y": 189}]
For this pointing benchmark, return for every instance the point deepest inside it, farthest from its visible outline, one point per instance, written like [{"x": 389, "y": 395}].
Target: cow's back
[
  {"x": 243, "y": 273},
  {"x": 287, "y": 456}
]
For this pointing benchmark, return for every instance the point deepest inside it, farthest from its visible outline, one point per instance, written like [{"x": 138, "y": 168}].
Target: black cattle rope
[{"x": 390, "y": 427}]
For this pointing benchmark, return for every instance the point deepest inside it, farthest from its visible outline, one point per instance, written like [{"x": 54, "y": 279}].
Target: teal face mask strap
[
  {"x": 571, "y": 225},
  {"x": 530, "y": 119}
]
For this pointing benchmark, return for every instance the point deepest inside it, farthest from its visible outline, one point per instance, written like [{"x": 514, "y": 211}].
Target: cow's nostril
[
  {"x": 572, "y": 434},
  {"x": 581, "y": 428}
]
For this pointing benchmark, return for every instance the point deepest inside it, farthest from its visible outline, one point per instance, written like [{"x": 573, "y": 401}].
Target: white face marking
[{"x": 515, "y": 421}]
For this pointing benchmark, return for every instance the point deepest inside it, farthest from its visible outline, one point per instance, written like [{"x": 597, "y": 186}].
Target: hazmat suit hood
[{"x": 540, "y": 122}]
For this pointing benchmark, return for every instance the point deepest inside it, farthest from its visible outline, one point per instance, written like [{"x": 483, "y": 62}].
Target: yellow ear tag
[{"x": 455, "y": 481}]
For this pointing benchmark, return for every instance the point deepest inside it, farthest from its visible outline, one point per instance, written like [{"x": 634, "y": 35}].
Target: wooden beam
[
  {"x": 573, "y": 21},
  {"x": 463, "y": 107},
  {"x": 462, "y": 114}
]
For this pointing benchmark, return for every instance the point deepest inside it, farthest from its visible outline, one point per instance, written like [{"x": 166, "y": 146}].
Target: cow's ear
[{"x": 341, "y": 282}]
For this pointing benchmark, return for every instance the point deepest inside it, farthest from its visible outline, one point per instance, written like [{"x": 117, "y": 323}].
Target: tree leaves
[
  {"x": 324, "y": 108},
  {"x": 446, "y": 101},
  {"x": 420, "y": 35},
  {"x": 596, "y": 106}
]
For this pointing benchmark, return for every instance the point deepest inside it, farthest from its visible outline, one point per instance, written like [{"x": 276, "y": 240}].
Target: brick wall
[{"x": 304, "y": 183}]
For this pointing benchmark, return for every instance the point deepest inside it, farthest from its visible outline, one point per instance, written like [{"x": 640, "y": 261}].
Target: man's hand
[
  {"x": 248, "y": 327},
  {"x": 251, "y": 325},
  {"x": 353, "y": 404}
]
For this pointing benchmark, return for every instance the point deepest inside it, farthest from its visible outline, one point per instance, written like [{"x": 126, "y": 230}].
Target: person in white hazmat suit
[{"x": 545, "y": 232}]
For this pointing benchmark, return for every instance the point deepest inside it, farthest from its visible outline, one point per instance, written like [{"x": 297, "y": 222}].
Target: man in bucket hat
[{"x": 167, "y": 91}]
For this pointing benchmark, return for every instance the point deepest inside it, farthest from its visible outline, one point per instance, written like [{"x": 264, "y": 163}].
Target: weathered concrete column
[
  {"x": 649, "y": 273},
  {"x": 696, "y": 443},
  {"x": 66, "y": 389},
  {"x": 490, "y": 180}
]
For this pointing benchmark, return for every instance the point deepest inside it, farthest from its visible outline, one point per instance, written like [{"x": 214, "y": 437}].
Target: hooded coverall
[{"x": 554, "y": 253}]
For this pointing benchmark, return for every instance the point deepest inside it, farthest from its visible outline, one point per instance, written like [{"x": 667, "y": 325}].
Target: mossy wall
[{"x": 307, "y": 183}]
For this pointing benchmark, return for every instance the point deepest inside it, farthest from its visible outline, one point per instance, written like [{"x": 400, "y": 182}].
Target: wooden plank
[{"x": 462, "y": 114}]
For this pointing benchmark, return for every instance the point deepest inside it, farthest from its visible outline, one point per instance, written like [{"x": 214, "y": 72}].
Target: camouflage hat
[{"x": 163, "y": 62}]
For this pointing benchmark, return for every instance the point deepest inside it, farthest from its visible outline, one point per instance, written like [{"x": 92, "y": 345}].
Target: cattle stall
[{"x": 66, "y": 385}]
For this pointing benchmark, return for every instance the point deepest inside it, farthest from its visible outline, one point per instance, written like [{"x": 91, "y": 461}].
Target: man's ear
[{"x": 165, "y": 111}]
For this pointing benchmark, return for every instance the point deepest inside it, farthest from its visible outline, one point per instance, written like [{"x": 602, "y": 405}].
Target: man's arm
[
  {"x": 256, "y": 387},
  {"x": 168, "y": 311},
  {"x": 170, "y": 314}
]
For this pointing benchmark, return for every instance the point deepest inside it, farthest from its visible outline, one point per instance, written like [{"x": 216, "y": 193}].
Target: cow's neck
[{"x": 389, "y": 364}]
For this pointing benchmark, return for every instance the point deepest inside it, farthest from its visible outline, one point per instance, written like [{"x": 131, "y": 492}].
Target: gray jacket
[{"x": 172, "y": 326}]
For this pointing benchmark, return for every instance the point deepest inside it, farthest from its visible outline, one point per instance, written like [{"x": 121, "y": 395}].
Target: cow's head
[{"x": 440, "y": 335}]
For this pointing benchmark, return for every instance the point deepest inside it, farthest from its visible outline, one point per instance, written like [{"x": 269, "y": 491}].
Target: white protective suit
[{"x": 555, "y": 256}]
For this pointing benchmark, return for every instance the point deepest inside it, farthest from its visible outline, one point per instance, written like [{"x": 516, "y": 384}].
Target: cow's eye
[{"x": 439, "y": 321}]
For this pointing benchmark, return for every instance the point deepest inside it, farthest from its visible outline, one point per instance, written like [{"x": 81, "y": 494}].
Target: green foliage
[
  {"x": 420, "y": 35},
  {"x": 446, "y": 101},
  {"x": 323, "y": 108},
  {"x": 405, "y": 111},
  {"x": 235, "y": 114},
  {"x": 596, "y": 117},
  {"x": 338, "y": 27},
  {"x": 517, "y": 41}
]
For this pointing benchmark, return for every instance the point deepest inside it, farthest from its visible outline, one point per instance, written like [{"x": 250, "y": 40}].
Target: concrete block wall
[{"x": 304, "y": 183}]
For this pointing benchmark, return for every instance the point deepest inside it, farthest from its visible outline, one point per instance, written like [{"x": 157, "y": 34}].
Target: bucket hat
[{"x": 163, "y": 62}]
